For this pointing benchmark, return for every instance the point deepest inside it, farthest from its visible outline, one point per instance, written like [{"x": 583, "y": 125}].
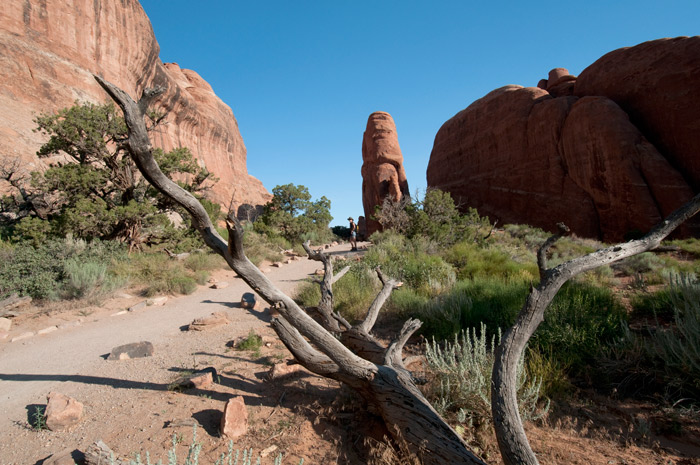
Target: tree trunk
[{"x": 388, "y": 387}]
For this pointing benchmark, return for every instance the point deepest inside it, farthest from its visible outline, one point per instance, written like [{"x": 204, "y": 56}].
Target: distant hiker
[{"x": 353, "y": 234}]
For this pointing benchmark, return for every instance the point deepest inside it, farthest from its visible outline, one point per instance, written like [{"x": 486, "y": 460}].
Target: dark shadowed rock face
[
  {"x": 382, "y": 168},
  {"x": 609, "y": 153},
  {"x": 48, "y": 53}
]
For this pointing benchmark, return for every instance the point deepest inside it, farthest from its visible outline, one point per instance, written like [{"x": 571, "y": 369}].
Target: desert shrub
[
  {"x": 355, "y": 292},
  {"x": 653, "y": 304},
  {"x": 468, "y": 304},
  {"x": 205, "y": 261},
  {"x": 88, "y": 279},
  {"x": 58, "y": 267},
  {"x": 689, "y": 246},
  {"x": 411, "y": 261},
  {"x": 529, "y": 236},
  {"x": 473, "y": 261},
  {"x": 664, "y": 359},
  {"x": 251, "y": 342},
  {"x": 678, "y": 347},
  {"x": 352, "y": 294},
  {"x": 578, "y": 324},
  {"x": 171, "y": 283},
  {"x": 259, "y": 247},
  {"x": 158, "y": 273},
  {"x": 646, "y": 266},
  {"x": 463, "y": 378}
]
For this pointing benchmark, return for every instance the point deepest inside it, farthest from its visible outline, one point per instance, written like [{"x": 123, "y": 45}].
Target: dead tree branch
[
  {"x": 512, "y": 440},
  {"x": 390, "y": 389}
]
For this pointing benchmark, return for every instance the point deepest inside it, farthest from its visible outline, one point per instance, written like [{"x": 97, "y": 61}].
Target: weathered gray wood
[
  {"x": 512, "y": 441},
  {"x": 390, "y": 389},
  {"x": 325, "y": 305},
  {"x": 98, "y": 453}
]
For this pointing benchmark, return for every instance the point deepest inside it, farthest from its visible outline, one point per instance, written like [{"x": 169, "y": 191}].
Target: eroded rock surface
[
  {"x": 50, "y": 50},
  {"x": 609, "y": 153},
  {"x": 383, "y": 174}
]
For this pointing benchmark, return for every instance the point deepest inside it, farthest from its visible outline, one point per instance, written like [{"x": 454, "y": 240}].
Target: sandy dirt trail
[{"x": 71, "y": 361}]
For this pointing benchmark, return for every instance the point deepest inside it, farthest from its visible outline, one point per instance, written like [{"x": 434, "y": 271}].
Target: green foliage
[
  {"x": 98, "y": 192},
  {"x": 252, "y": 342},
  {"x": 435, "y": 217},
  {"x": 579, "y": 323},
  {"x": 678, "y": 347},
  {"x": 645, "y": 265},
  {"x": 665, "y": 358},
  {"x": 259, "y": 246},
  {"x": 411, "y": 261},
  {"x": 205, "y": 261},
  {"x": 39, "y": 418},
  {"x": 689, "y": 246},
  {"x": 159, "y": 274},
  {"x": 352, "y": 294},
  {"x": 33, "y": 230},
  {"x": 59, "y": 268},
  {"x": 474, "y": 261},
  {"x": 291, "y": 214},
  {"x": 463, "y": 369},
  {"x": 88, "y": 278}
]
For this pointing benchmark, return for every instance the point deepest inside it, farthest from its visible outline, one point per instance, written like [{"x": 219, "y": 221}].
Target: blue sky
[{"x": 302, "y": 77}]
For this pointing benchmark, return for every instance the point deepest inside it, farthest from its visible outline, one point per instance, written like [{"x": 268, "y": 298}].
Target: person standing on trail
[{"x": 353, "y": 234}]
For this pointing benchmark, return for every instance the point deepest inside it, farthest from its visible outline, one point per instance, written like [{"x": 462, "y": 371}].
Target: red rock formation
[
  {"x": 48, "y": 53},
  {"x": 595, "y": 152},
  {"x": 382, "y": 169}
]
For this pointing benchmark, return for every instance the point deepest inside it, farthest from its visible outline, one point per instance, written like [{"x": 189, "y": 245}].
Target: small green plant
[
  {"x": 252, "y": 342},
  {"x": 39, "y": 418}
]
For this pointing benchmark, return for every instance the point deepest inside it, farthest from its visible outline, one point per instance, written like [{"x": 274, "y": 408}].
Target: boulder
[
  {"x": 157, "y": 301},
  {"x": 48, "y": 54},
  {"x": 249, "y": 300},
  {"x": 211, "y": 321},
  {"x": 383, "y": 174},
  {"x": 200, "y": 379},
  {"x": 234, "y": 422},
  {"x": 133, "y": 350},
  {"x": 606, "y": 153},
  {"x": 62, "y": 412},
  {"x": 5, "y": 324},
  {"x": 283, "y": 369}
]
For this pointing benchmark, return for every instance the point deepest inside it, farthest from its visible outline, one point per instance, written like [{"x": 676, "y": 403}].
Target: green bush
[
  {"x": 678, "y": 347},
  {"x": 205, "y": 261},
  {"x": 158, "y": 273},
  {"x": 474, "y": 261},
  {"x": 259, "y": 247},
  {"x": 58, "y": 267},
  {"x": 410, "y": 261},
  {"x": 88, "y": 279},
  {"x": 664, "y": 359},
  {"x": 463, "y": 369},
  {"x": 579, "y": 323},
  {"x": 352, "y": 294}
]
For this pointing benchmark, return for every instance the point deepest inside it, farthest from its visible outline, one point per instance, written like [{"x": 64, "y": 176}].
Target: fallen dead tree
[{"x": 355, "y": 358}]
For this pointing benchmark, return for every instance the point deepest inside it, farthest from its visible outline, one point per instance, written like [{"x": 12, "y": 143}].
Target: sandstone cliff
[
  {"x": 609, "y": 153},
  {"x": 48, "y": 53},
  {"x": 383, "y": 174}
]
